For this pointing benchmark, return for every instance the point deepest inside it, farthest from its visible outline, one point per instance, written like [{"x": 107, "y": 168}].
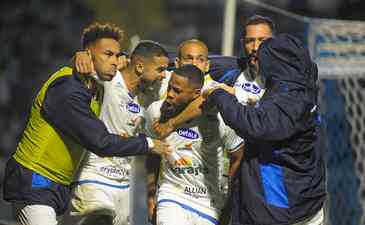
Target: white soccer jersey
[
  {"x": 245, "y": 89},
  {"x": 192, "y": 176},
  {"x": 122, "y": 115}
]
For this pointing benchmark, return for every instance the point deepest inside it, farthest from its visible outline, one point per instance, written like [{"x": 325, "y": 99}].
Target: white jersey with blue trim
[
  {"x": 122, "y": 115},
  {"x": 245, "y": 89},
  {"x": 193, "y": 174}
]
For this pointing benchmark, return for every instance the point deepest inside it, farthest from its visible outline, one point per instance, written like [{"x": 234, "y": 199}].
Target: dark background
[{"x": 40, "y": 36}]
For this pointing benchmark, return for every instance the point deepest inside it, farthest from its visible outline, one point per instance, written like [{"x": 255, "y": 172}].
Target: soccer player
[
  {"x": 103, "y": 187},
  {"x": 190, "y": 190},
  {"x": 62, "y": 123},
  {"x": 246, "y": 84},
  {"x": 194, "y": 52},
  {"x": 282, "y": 178},
  {"x": 191, "y": 51}
]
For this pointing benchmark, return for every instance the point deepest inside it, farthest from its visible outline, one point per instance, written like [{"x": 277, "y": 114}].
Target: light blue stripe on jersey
[
  {"x": 80, "y": 182},
  {"x": 191, "y": 209}
]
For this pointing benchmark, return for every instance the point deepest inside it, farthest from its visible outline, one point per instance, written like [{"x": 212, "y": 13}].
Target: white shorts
[
  {"x": 35, "y": 214},
  {"x": 95, "y": 197},
  {"x": 177, "y": 213}
]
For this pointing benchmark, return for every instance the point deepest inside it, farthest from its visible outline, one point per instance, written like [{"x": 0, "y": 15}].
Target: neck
[{"x": 131, "y": 79}]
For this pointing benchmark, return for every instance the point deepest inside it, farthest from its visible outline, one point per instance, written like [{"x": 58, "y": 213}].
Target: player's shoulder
[
  {"x": 155, "y": 105},
  {"x": 118, "y": 77},
  {"x": 224, "y": 128},
  {"x": 116, "y": 81},
  {"x": 153, "y": 110}
]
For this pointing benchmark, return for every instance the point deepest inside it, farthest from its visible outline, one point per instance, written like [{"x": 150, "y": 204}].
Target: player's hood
[{"x": 285, "y": 65}]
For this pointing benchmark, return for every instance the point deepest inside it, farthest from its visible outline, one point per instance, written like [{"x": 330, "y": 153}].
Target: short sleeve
[
  {"x": 151, "y": 114},
  {"x": 231, "y": 141}
]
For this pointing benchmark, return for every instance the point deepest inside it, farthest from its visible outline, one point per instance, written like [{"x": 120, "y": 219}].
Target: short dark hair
[
  {"x": 192, "y": 73},
  {"x": 258, "y": 19},
  {"x": 97, "y": 31},
  {"x": 148, "y": 49}
]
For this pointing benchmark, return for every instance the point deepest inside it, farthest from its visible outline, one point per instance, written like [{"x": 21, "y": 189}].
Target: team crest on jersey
[
  {"x": 133, "y": 107},
  {"x": 187, "y": 133},
  {"x": 252, "y": 88}
]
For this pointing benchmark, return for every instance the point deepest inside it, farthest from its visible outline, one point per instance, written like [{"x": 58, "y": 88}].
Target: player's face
[
  {"x": 179, "y": 94},
  {"x": 105, "y": 53},
  {"x": 255, "y": 35},
  {"x": 154, "y": 70},
  {"x": 194, "y": 53}
]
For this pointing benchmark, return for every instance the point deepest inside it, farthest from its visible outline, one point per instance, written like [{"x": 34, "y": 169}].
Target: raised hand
[
  {"x": 161, "y": 148},
  {"x": 163, "y": 130}
]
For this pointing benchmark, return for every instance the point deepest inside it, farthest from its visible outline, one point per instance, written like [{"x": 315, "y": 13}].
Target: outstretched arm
[
  {"x": 193, "y": 110},
  {"x": 269, "y": 121},
  {"x": 152, "y": 166},
  {"x": 67, "y": 109}
]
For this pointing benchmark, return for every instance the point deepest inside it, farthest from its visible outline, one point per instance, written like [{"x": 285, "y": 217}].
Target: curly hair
[{"x": 97, "y": 31}]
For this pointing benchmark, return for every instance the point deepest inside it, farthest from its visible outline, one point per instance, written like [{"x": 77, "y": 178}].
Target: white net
[
  {"x": 342, "y": 101},
  {"x": 338, "y": 49}
]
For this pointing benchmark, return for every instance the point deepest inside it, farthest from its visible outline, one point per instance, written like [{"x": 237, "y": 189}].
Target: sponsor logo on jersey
[
  {"x": 252, "y": 88},
  {"x": 187, "y": 133},
  {"x": 195, "y": 191},
  {"x": 133, "y": 107},
  {"x": 183, "y": 161},
  {"x": 190, "y": 170},
  {"x": 114, "y": 172}
]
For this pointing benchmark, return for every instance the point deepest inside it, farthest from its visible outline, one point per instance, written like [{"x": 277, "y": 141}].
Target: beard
[
  {"x": 169, "y": 111},
  {"x": 148, "y": 87}
]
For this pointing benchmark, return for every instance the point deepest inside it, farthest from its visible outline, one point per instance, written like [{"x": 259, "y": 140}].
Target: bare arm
[
  {"x": 193, "y": 110},
  {"x": 152, "y": 167},
  {"x": 235, "y": 161}
]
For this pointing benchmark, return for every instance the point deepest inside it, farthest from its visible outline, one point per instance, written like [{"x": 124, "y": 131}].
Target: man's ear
[
  {"x": 139, "y": 68},
  {"x": 177, "y": 62},
  {"x": 207, "y": 67},
  {"x": 197, "y": 92}
]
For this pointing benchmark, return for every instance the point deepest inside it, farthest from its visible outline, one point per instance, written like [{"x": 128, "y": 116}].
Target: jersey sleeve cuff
[
  {"x": 232, "y": 150},
  {"x": 150, "y": 143}
]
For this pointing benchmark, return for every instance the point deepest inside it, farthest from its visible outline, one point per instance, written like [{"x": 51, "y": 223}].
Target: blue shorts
[{"x": 22, "y": 185}]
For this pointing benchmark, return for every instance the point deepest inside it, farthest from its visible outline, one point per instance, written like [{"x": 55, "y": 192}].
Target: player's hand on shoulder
[
  {"x": 230, "y": 90},
  {"x": 160, "y": 147},
  {"x": 84, "y": 63},
  {"x": 227, "y": 88},
  {"x": 252, "y": 100},
  {"x": 163, "y": 130}
]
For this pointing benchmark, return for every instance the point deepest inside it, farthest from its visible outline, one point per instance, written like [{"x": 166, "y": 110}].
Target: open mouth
[{"x": 168, "y": 105}]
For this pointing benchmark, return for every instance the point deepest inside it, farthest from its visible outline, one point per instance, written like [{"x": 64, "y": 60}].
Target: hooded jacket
[{"x": 281, "y": 179}]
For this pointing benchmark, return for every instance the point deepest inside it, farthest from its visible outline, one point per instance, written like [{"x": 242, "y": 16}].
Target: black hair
[
  {"x": 258, "y": 19},
  {"x": 192, "y": 73},
  {"x": 97, "y": 31},
  {"x": 148, "y": 49}
]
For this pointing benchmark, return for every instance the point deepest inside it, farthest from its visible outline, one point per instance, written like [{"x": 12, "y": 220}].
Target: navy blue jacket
[
  {"x": 67, "y": 108},
  {"x": 281, "y": 179}
]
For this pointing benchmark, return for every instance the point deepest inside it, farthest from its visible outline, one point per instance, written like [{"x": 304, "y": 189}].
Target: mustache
[
  {"x": 168, "y": 111},
  {"x": 252, "y": 55}
]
